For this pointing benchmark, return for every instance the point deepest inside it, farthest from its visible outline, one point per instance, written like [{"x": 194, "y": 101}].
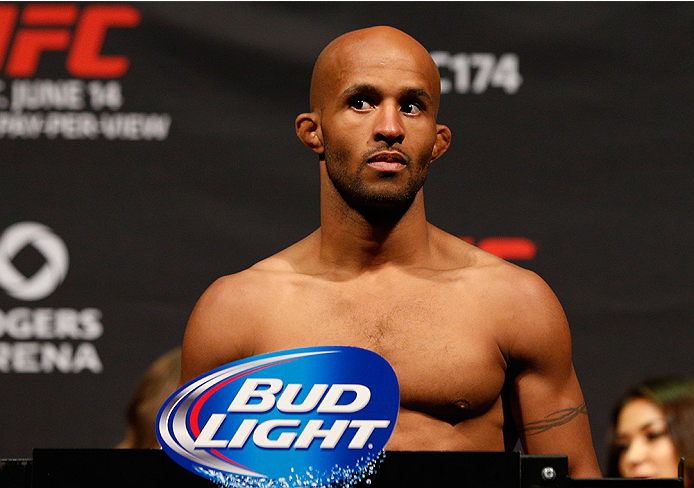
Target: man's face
[{"x": 378, "y": 123}]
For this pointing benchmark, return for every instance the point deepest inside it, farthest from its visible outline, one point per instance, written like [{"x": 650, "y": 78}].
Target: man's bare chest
[{"x": 444, "y": 352}]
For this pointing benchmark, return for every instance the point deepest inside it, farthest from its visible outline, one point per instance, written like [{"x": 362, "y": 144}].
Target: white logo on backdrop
[
  {"x": 48, "y": 277},
  {"x": 478, "y": 72}
]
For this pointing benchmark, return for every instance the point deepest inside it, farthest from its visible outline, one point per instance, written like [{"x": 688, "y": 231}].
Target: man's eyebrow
[
  {"x": 358, "y": 89},
  {"x": 418, "y": 93},
  {"x": 361, "y": 88}
]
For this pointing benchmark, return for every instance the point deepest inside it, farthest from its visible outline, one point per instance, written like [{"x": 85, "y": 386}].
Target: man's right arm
[{"x": 218, "y": 331}]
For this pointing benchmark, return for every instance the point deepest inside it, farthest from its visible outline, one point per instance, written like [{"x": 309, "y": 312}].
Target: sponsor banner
[
  {"x": 319, "y": 416},
  {"x": 43, "y": 339},
  {"x": 89, "y": 103},
  {"x": 13, "y": 240}
]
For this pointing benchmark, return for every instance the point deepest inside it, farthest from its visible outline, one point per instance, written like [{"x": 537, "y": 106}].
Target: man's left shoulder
[
  {"x": 522, "y": 283},
  {"x": 535, "y": 318},
  {"x": 495, "y": 276}
]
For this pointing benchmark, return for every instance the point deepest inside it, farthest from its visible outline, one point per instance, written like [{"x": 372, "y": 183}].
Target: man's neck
[{"x": 357, "y": 241}]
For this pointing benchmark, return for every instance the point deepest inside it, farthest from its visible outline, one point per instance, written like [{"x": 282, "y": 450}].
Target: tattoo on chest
[{"x": 555, "y": 419}]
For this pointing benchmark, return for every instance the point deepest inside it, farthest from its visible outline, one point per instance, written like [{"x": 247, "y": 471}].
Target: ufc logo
[{"x": 63, "y": 27}]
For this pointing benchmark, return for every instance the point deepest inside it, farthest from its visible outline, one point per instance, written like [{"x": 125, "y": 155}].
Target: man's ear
[
  {"x": 443, "y": 140},
  {"x": 309, "y": 131}
]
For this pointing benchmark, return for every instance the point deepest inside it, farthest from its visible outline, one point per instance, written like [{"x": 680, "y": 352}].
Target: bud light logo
[{"x": 309, "y": 417}]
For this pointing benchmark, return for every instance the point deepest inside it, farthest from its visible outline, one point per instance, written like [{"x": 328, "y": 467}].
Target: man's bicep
[
  {"x": 540, "y": 361},
  {"x": 199, "y": 352},
  {"x": 212, "y": 334},
  {"x": 548, "y": 404},
  {"x": 547, "y": 407},
  {"x": 545, "y": 378},
  {"x": 552, "y": 418}
]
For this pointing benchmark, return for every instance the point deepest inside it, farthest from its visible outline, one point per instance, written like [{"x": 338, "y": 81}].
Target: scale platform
[{"x": 152, "y": 468}]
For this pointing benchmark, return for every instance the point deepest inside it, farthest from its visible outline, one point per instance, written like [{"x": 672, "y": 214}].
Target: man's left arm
[{"x": 548, "y": 405}]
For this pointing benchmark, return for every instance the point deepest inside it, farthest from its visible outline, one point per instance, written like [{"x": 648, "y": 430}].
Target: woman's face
[{"x": 647, "y": 450}]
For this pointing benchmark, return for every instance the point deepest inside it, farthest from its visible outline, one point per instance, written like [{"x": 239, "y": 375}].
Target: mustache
[{"x": 369, "y": 155}]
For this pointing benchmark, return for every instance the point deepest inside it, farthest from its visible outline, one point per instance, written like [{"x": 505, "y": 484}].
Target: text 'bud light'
[{"x": 320, "y": 415}]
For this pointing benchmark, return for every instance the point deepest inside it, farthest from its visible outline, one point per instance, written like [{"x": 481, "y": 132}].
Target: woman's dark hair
[
  {"x": 154, "y": 387},
  {"x": 675, "y": 396}
]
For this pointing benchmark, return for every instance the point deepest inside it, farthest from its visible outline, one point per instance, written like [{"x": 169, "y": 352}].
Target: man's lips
[{"x": 387, "y": 161}]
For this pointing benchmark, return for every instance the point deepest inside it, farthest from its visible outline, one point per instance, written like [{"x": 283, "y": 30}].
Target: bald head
[
  {"x": 377, "y": 47},
  {"x": 374, "y": 101}
]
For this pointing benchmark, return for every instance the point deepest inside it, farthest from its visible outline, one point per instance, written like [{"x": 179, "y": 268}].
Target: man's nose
[{"x": 388, "y": 125}]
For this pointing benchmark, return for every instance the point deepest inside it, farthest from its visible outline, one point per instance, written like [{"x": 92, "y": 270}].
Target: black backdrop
[{"x": 135, "y": 171}]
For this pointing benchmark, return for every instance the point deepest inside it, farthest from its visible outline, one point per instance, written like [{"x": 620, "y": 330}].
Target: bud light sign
[{"x": 310, "y": 417}]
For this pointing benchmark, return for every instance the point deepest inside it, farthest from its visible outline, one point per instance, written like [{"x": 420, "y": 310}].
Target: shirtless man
[{"x": 477, "y": 343}]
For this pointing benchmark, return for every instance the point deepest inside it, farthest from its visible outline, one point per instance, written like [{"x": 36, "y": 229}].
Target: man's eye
[
  {"x": 411, "y": 108},
  {"x": 361, "y": 104}
]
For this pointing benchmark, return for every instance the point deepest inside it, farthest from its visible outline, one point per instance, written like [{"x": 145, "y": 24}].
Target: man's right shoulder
[
  {"x": 273, "y": 273},
  {"x": 244, "y": 294},
  {"x": 253, "y": 283},
  {"x": 230, "y": 314}
]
